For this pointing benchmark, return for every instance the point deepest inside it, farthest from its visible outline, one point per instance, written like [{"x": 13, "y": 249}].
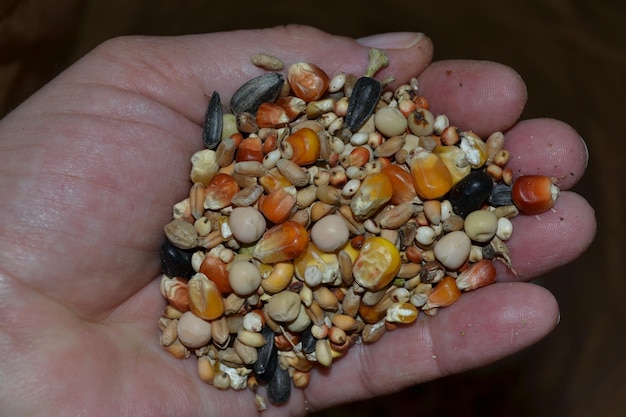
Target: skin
[{"x": 91, "y": 164}]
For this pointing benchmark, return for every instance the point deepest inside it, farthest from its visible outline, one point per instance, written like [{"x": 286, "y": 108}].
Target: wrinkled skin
[{"x": 92, "y": 163}]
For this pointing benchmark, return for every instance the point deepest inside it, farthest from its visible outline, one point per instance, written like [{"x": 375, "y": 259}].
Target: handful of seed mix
[{"x": 324, "y": 212}]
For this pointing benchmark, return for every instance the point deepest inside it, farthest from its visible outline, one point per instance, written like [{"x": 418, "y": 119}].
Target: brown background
[{"x": 572, "y": 56}]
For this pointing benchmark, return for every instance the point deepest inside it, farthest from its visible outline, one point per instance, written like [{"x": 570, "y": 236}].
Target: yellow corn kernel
[
  {"x": 374, "y": 192},
  {"x": 279, "y": 277},
  {"x": 454, "y": 159},
  {"x": 351, "y": 250},
  {"x": 431, "y": 177},
  {"x": 315, "y": 267},
  {"x": 377, "y": 264},
  {"x": 401, "y": 313},
  {"x": 475, "y": 149}
]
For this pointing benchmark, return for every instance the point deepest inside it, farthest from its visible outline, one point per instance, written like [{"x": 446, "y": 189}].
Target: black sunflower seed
[
  {"x": 212, "y": 129},
  {"x": 267, "y": 360},
  {"x": 258, "y": 90},
  {"x": 279, "y": 387},
  {"x": 363, "y": 101}
]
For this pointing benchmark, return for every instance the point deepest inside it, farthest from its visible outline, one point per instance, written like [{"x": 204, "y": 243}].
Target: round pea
[
  {"x": 330, "y": 233},
  {"x": 193, "y": 332},
  {"x": 481, "y": 225},
  {"x": 244, "y": 278},
  {"x": 284, "y": 307},
  {"x": 247, "y": 224},
  {"x": 390, "y": 121},
  {"x": 453, "y": 249}
]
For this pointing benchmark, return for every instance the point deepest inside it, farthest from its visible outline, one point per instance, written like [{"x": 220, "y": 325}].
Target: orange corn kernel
[
  {"x": 431, "y": 177},
  {"x": 277, "y": 206},
  {"x": 377, "y": 264},
  {"x": 293, "y": 106},
  {"x": 421, "y": 102},
  {"x": 271, "y": 115},
  {"x": 308, "y": 81},
  {"x": 476, "y": 275},
  {"x": 402, "y": 183},
  {"x": 216, "y": 271},
  {"x": 250, "y": 149},
  {"x": 305, "y": 145},
  {"x": 445, "y": 293},
  {"x": 534, "y": 194},
  {"x": 359, "y": 156},
  {"x": 283, "y": 242},
  {"x": 220, "y": 191},
  {"x": 269, "y": 144},
  {"x": 205, "y": 299}
]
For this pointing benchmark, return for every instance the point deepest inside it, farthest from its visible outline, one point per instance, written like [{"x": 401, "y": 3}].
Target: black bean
[
  {"x": 470, "y": 193},
  {"x": 212, "y": 129},
  {"x": 363, "y": 102},
  {"x": 279, "y": 387},
  {"x": 176, "y": 262}
]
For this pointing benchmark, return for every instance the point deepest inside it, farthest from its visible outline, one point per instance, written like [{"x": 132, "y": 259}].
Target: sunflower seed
[
  {"x": 258, "y": 90},
  {"x": 363, "y": 101},
  {"x": 279, "y": 387},
  {"x": 212, "y": 129}
]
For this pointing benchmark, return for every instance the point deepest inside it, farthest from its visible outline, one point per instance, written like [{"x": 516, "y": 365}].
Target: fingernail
[{"x": 392, "y": 40}]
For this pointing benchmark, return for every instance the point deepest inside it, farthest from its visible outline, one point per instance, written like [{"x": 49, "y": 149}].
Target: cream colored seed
[
  {"x": 337, "y": 83},
  {"x": 202, "y": 226},
  {"x": 170, "y": 333},
  {"x": 206, "y": 370},
  {"x": 302, "y": 322},
  {"x": 225, "y": 152},
  {"x": 505, "y": 228},
  {"x": 267, "y": 62},
  {"x": 336, "y": 126},
  {"x": 250, "y": 168},
  {"x": 323, "y": 352},
  {"x": 351, "y": 187},
  {"x": 292, "y": 171},
  {"x": 359, "y": 139},
  {"x": 441, "y": 122},
  {"x": 356, "y": 173},
  {"x": 390, "y": 146}
]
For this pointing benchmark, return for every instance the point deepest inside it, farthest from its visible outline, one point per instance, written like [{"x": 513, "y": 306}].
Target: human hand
[{"x": 92, "y": 163}]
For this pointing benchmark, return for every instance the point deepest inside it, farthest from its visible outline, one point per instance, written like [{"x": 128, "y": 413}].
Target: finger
[
  {"x": 547, "y": 241},
  {"x": 480, "y": 328},
  {"x": 480, "y": 96},
  {"x": 181, "y": 71},
  {"x": 547, "y": 147}
]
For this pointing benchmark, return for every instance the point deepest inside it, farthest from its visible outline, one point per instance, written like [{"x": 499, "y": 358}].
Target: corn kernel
[
  {"x": 305, "y": 145},
  {"x": 282, "y": 242},
  {"x": 377, "y": 264},
  {"x": 375, "y": 191},
  {"x": 431, "y": 177}
]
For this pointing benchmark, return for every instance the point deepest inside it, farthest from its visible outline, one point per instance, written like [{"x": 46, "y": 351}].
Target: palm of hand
[{"x": 92, "y": 165}]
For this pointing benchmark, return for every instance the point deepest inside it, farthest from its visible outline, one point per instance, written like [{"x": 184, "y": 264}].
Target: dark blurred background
[{"x": 572, "y": 55}]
